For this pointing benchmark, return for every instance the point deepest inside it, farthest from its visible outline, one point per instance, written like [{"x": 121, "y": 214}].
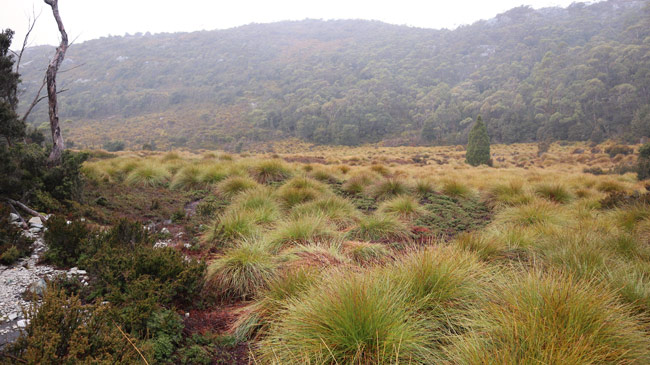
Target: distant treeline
[{"x": 577, "y": 73}]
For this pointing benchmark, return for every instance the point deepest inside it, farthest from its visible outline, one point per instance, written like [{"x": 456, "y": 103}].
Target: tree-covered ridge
[{"x": 577, "y": 73}]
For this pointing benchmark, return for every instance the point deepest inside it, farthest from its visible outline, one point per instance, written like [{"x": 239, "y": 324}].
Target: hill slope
[{"x": 577, "y": 73}]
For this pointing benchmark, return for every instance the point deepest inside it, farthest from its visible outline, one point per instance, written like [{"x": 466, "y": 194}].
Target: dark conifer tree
[{"x": 478, "y": 144}]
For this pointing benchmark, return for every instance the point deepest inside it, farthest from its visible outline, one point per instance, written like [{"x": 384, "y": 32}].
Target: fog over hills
[{"x": 577, "y": 73}]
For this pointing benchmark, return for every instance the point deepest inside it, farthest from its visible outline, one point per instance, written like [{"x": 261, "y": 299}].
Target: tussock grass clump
[
  {"x": 272, "y": 301},
  {"x": 313, "y": 255},
  {"x": 148, "y": 174},
  {"x": 444, "y": 282},
  {"x": 350, "y": 319},
  {"x": 380, "y": 169},
  {"x": 456, "y": 189},
  {"x": 485, "y": 247},
  {"x": 388, "y": 188},
  {"x": 404, "y": 206},
  {"x": 323, "y": 175},
  {"x": 534, "y": 213},
  {"x": 232, "y": 226},
  {"x": 212, "y": 174},
  {"x": 189, "y": 177},
  {"x": 259, "y": 202},
  {"x": 610, "y": 186},
  {"x": 380, "y": 227},
  {"x": 302, "y": 230},
  {"x": 358, "y": 183},
  {"x": 337, "y": 210},
  {"x": 424, "y": 187},
  {"x": 552, "y": 319},
  {"x": 270, "y": 171},
  {"x": 234, "y": 185},
  {"x": 241, "y": 271},
  {"x": 556, "y": 193},
  {"x": 510, "y": 194},
  {"x": 629, "y": 217},
  {"x": 300, "y": 190},
  {"x": 366, "y": 252}
]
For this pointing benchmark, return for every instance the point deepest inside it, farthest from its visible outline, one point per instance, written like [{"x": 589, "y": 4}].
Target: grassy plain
[{"x": 382, "y": 255}]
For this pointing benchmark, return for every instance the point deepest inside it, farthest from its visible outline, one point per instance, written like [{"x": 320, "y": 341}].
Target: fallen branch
[
  {"x": 27, "y": 209},
  {"x": 20, "y": 217}
]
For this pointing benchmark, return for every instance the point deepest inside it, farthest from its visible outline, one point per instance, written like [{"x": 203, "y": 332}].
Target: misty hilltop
[{"x": 576, "y": 73}]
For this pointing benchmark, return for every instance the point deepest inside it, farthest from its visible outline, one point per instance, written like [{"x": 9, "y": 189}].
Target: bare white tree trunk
[{"x": 57, "y": 139}]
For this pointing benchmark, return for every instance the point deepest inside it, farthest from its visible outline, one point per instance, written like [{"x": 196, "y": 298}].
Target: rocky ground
[{"x": 25, "y": 276}]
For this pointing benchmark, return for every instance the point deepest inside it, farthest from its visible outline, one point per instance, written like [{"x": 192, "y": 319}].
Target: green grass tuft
[
  {"x": 380, "y": 227},
  {"x": 270, "y": 171},
  {"x": 241, "y": 271}
]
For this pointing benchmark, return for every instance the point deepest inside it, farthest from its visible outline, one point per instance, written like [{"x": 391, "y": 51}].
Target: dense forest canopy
[{"x": 576, "y": 73}]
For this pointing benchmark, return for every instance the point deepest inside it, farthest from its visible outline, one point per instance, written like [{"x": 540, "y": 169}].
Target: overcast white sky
[{"x": 88, "y": 19}]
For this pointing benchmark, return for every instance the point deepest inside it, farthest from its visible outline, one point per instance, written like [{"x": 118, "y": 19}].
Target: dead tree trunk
[{"x": 57, "y": 139}]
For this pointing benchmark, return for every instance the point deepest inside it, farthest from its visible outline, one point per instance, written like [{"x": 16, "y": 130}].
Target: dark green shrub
[
  {"x": 643, "y": 162},
  {"x": 64, "y": 331},
  {"x": 618, "y": 150},
  {"x": 114, "y": 146},
  {"x": 13, "y": 245},
  {"x": 478, "y": 144},
  {"x": 65, "y": 241},
  {"x": 166, "y": 329}
]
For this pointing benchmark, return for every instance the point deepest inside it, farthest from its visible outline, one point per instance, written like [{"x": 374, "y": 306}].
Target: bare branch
[
  {"x": 31, "y": 22},
  {"x": 36, "y": 100}
]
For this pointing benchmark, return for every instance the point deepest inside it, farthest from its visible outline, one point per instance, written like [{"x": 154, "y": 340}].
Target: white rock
[
  {"x": 187, "y": 314},
  {"x": 164, "y": 230},
  {"x": 35, "y": 220},
  {"x": 187, "y": 245},
  {"x": 22, "y": 323},
  {"x": 12, "y": 316},
  {"x": 13, "y": 217},
  {"x": 34, "y": 230}
]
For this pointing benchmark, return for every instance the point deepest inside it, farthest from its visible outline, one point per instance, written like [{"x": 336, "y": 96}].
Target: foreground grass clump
[
  {"x": 272, "y": 300},
  {"x": 232, "y": 226},
  {"x": 404, "y": 206},
  {"x": 337, "y": 210},
  {"x": 389, "y": 188},
  {"x": 358, "y": 183},
  {"x": 556, "y": 193},
  {"x": 234, "y": 185},
  {"x": 380, "y": 227},
  {"x": 444, "y": 282},
  {"x": 552, "y": 319},
  {"x": 270, "y": 171},
  {"x": 534, "y": 213},
  {"x": 366, "y": 252},
  {"x": 509, "y": 194},
  {"x": 350, "y": 319},
  {"x": 148, "y": 174},
  {"x": 241, "y": 271},
  {"x": 189, "y": 177},
  {"x": 456, "y": 189},
  {"x": 302, "y": 230}
]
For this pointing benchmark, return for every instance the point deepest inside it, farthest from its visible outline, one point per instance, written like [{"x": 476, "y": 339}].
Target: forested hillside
[{"x": 577, "y": 73}]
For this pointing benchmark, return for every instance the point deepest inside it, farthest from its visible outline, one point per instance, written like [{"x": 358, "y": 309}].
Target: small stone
[
  {"x": 22, "y": 323},
  {"x": 37, "y": 287},
  {"x": 187, "y": 245},
  {"x": 35, "y": 220},
  {"x": 34, "y": 230},
  {"x": 12, "y": 316},
  {"x": 164, "y": 230},
  {"x": 82, "y": 219},
  {"x": 81, "y": 272},
  {"x": 13, "y": 217},
  {"x": 187, "y": 314}
]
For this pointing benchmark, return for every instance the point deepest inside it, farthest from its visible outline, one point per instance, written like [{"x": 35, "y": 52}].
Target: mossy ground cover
[{"x": 447, "y": 216}]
